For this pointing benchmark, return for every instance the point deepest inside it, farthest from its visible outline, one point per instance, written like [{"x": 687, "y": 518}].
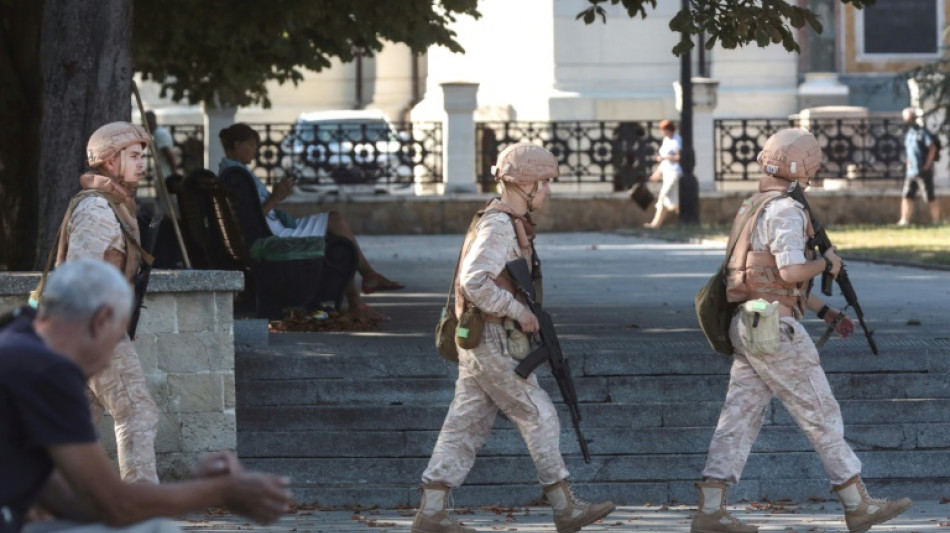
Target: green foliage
[
  {"x": 732, "y": 23},
  {"x": 934, "y": 82},
  {"x": 224, "y": 52}
]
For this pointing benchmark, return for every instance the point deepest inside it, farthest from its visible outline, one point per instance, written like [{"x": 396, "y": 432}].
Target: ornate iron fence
[
  {"x": 325, "y": 157},
  {"x": 188, "y": 146},
  {"x": 853, "y": 148},
  {"x": 587, "y": 151}
]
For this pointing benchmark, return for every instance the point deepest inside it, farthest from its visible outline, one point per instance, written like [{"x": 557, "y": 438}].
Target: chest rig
[{"x": 754, "y": 274}]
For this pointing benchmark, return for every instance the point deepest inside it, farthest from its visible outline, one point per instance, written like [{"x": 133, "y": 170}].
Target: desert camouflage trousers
[
  {"x": 121, "y": 390},
  {"x": 794, "y": 375},
  {"x": 486, "y": 383}
]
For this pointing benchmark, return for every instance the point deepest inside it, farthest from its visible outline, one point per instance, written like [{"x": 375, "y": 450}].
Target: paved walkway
[
  {"x": 612, "y": 287},
  {"x": 807, "y": 517}
]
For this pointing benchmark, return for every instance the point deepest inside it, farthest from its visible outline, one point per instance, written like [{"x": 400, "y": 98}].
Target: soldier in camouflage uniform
[
  {"x": 772, "y": 262},
  {"x": 102, "y": 225},
  {"x": 487, "y": 381}
]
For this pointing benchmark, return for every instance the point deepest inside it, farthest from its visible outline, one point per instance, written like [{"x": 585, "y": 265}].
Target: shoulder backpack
[
  {"x": 936, "y": 141},
  {"x": 713, "y": 310}
]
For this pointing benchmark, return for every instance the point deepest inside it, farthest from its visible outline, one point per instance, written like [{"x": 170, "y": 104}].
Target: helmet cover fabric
[
  {"x": 524, "y": 162},
  {"x": 112, "y": 138},
  {"x": 792, "y": 153}
]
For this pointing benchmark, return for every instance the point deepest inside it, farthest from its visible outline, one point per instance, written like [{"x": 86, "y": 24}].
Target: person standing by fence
[{"x": 921, "y": 149}]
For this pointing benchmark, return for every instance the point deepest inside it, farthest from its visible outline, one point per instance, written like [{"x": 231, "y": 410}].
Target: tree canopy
[
  {"x": 732, "y": 23},
  {"x": 219, "y": 52}
]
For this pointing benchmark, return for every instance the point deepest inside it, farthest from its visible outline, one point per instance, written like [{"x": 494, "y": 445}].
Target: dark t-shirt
[{"x": 42, "y": 403}]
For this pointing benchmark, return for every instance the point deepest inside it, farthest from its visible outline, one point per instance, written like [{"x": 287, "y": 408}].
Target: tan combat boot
[
  {"x": 432, "y": 516},
  {"x": 712, "y": 516},
  {"x": 571, "y": 514},
  {"x": 862, "y": 511}
]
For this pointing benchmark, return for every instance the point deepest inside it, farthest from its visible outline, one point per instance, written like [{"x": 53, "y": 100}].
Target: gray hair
[{"x": 79, "y": 288}]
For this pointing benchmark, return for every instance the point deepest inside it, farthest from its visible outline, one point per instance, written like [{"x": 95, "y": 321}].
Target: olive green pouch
[{"x": 468, "y": 335}]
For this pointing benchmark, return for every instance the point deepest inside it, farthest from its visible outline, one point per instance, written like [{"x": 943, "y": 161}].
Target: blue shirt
[{"x": 917, "y": 143}]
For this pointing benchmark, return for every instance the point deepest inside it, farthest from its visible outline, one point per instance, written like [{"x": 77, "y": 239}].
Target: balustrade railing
[
  {"x": 854, "y": 148},
  {"x": 323, "y": 158},
  {"x": 587, "y": 151},
  {"x": 617, "y": 152}
]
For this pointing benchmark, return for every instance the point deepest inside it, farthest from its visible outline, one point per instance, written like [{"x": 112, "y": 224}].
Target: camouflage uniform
[
  {"x": 487, "y": 381},
  {"x": 121, "y": 388},
  {"x": 793, "y": 374}
]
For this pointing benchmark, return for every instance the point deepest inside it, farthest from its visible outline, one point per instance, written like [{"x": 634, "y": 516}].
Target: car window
[{"x": 327, "y": 131}]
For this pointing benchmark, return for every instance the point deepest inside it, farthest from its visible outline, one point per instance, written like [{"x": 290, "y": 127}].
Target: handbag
[{"x": 641, "y": 195}]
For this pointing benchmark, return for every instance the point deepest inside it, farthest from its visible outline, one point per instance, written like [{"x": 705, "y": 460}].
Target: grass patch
[{"x": 915, "y": 244}]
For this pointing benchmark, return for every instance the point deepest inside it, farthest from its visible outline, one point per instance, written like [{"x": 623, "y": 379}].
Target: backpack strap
[{"x": 745, "y": 220}]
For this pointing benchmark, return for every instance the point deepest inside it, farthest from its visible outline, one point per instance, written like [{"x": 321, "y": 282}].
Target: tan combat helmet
[
  {"x": 792, "y": 154},
  {"x": 525, "y": 163},
  {"x": 111, "y": 139}
]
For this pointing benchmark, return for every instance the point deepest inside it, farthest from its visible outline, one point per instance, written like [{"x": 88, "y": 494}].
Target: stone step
[
  {"x": 614, "y": 415},
  {"x": 588, "y": 358},
  {"x": 654, "y": 493},
  {"x": 622, "y": 389},
  {"x": 602, "y": 441},
  {"x": 661, "y": 469}
]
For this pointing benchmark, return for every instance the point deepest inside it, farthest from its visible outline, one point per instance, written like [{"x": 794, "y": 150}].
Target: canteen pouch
[
  {"x": 519, "y": 346},
  {"x": 759, "y": 326},
  {"x": 445, "y": 335},
  {"x": 468, "y": 335}
]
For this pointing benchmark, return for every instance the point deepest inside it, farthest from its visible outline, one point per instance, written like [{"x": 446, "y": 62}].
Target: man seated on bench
[{"x": 240, "y": 143}]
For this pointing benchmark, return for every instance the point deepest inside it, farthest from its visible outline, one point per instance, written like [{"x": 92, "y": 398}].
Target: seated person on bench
[{"x": 240, "y": 147}]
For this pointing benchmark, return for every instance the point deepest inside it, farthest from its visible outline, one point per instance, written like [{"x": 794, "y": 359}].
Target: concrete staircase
[{"x": 352, "y": 419}]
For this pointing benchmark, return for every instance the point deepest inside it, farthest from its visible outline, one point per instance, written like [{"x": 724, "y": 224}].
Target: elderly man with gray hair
[{"x": 49, "y": 456}]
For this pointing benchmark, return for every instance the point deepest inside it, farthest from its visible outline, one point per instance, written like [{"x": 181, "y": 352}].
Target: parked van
[{"x": 348, "y": 151}]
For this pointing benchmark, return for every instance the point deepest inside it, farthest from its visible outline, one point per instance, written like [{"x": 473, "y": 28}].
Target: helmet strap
[{"x": 121, "y": 176}]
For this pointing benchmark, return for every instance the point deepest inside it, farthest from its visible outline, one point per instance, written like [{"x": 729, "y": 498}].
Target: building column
[
  {"x": 705, "y": 94},
  {"x": 458, "y": 137},
  {"x": 215, "y": 119}
]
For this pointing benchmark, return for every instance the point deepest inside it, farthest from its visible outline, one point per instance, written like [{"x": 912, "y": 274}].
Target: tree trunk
[
  {"x": 20, "y": 112},
  {"x": 86, "y": 66}
]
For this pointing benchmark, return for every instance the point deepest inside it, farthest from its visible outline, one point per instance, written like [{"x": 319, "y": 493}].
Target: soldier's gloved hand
[{"x": 529, "y": 322}]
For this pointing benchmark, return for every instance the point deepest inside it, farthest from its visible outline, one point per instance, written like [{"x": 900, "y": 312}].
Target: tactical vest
[
  {"x": 503, "y": 280},
  {"x": 134, "y": 253},
  {"x": 754, "y": 274}
]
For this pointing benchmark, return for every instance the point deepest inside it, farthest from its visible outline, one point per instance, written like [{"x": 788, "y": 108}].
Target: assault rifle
[
  {"x": 822, "y": 243},
  {"x": 549, "y": 349}
]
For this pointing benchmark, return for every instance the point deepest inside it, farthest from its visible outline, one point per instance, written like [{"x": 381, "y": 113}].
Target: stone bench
[{"x": 185, "y": 339}]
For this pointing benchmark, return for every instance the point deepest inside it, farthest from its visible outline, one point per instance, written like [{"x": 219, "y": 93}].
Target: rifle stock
[
  {"x": 822, "y": 243},
  {"x": 549, "y": 350}
]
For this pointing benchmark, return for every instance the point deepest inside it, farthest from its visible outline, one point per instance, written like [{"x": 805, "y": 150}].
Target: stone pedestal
[
  {"x": 458, "y": 137},
  {"x": 822, "y": 89},
  {"x": 216, "y": 118}
]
